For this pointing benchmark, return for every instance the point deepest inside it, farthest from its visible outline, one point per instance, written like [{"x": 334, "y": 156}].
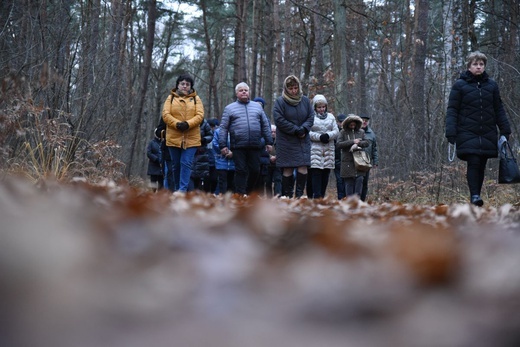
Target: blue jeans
[{"x": 182, "y": 160}]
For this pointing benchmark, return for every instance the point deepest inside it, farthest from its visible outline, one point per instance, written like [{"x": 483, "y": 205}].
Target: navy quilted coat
[
  {"x": 474, "y": 112},
  {"x": 292, "y": 151},
  {"x": 246, "y": 124}
]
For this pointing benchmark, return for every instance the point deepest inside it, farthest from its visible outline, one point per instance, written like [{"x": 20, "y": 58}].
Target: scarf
[
  {"x": 290, "y": 99},
  {"x": 321, "y": 116}
]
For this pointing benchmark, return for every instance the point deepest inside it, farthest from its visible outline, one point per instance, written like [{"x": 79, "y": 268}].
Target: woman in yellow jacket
[{"x": 183, "y": 113}]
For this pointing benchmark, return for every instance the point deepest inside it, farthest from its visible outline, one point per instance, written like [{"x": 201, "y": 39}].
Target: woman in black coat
[{"x": 475, "y": 110}]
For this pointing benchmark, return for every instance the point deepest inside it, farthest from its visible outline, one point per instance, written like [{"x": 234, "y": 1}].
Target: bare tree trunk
[
  {"x": 418, "y": 76},
  {"x": 239, "y": 64},
  {"x": 339, "y": 63},
  {"x": 268, "y": 75},
  {"x": 147, "y": 65}
]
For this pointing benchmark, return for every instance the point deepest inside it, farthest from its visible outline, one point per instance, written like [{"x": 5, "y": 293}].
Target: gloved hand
[
  {"x": 300, "y": 132},
  {"x": 183, "y": 126},
  {"x": 354, "y": 147},
  {"x": 452, "y": 139},
  {"x": 324, "y": 138}
]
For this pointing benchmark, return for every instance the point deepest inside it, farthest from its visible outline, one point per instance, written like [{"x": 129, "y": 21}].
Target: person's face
[
  {"x": 365, "y": 122},
  {"x": 352, "y": 125},
  {"x": 320, "y": 108},
  {"x": 293, "y": 89},
  {"x": 477, "y": 67},
  {"x": 243, "y": 94},
  {"x": 273, "y": 133},
  {"x": 184, "y": 87}
]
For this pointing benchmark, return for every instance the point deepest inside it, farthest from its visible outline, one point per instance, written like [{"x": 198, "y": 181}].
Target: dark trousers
[
  {"x": 320, "y": 181},
  {"x": 353, "y": 185},
  {"x": 476, "y": 167},
  {"x": 273, "y": 181},
  {"x": 225, "y": 181},
  {"x": 247, "y": 166},
  {"x": 364, "y": 190},
  {"x": 340, "y": 184}
]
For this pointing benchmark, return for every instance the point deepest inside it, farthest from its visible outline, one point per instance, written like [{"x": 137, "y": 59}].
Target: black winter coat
[
  {"x": 475, "y": 110},
  {"x": 154, "y": 154},
  {"x": 201, "y": 161}
]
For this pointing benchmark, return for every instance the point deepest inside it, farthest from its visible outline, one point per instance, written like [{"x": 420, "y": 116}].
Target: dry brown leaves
[{"x": 90, "y": 265}]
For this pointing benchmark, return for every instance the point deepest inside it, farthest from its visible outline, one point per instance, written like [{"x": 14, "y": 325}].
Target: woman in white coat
[{"x": 323, "y": 133}]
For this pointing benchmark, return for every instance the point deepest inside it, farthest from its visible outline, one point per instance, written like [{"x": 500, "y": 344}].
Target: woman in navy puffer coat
[
  {"x": 293, "y": 116},
  {"x": 475, "y": 110}
]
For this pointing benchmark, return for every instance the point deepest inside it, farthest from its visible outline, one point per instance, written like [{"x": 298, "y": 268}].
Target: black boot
[
  {"x": 287, "y": 186},
  {"x": 477, "y": 200},
  {"x": 301, "y": 182}
]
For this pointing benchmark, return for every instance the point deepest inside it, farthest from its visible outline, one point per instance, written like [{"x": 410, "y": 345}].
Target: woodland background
[{"x": 83, "y": 82}]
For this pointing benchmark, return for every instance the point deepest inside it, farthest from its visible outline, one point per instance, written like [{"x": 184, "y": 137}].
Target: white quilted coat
[{"x": 322, "y": 154}]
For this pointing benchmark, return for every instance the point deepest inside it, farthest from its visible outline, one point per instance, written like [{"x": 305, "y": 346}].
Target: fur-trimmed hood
[{"x": 352, "y": 118}]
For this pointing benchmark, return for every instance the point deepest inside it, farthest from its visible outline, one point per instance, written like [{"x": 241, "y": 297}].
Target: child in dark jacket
[{"x": 154, "y": 154}]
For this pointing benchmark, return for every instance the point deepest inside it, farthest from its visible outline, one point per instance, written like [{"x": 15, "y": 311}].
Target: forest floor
[{"x": 105, "y": 265}]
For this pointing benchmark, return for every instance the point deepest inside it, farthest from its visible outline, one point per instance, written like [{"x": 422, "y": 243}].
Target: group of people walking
[
  {"x": 248, "y": 152},
  {"x": 307, "y": 142}
]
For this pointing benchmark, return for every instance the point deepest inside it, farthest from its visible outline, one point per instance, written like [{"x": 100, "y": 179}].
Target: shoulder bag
[
  {"x": 361, "y": 160},
  {"x": 508, "y": 171}
]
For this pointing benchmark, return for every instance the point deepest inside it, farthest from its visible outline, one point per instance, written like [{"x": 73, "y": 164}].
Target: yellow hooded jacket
[{"x": 179, "y": 108}]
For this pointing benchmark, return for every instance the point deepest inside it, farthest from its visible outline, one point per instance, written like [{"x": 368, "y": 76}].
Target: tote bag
[
  {"x": 361, "y": 160},
  {"x": 508, "y": 171}
]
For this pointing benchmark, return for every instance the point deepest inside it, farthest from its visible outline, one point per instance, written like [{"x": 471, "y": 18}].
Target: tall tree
[{"x": 143, "y": 89}]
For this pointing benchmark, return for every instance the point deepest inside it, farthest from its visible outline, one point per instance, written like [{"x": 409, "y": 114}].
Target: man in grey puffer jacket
[{"x": 246, "y": 124}]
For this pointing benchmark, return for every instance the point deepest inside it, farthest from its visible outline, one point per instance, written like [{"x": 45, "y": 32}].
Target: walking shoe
[{"x": 477, "y": 200}]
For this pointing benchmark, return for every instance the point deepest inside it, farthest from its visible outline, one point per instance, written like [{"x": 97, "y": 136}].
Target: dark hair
[{"x": 185, "y": 77}]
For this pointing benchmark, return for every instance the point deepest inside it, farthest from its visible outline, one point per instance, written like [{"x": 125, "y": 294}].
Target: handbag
[
  {"x": 361, "y": 160},
  {"x": 508, "y": 171}
]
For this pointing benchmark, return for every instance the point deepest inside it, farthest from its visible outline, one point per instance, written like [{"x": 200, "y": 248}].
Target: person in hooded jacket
[
  {"x": 340, "y": 184},
  {"x": 201, "y": 162},
  {"x": 183, "y": 113},
  {"x": 293, "y": 116},
  {"x": 475, "y": 110},
  {"x": 351, "y": 138},
  {"x": 323, "y": 134},
  {"x": 153, "y": 152}
]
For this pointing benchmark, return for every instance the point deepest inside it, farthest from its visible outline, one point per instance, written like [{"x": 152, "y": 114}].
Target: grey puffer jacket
[
  {"x": 292, "y": 151},
  {"x": 475, "y": 110},
  {"x": 322, "y": 154},
  {"x": 346, "y": 141},
  {"x": 246, "y": 124}
]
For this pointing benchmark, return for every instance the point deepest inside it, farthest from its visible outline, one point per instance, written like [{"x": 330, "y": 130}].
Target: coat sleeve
[
  {"x": 224, "y": 128},
  {"x": 500, "y": 112},
  {"x": 375, "y": 155},
  {"x": 282, "y": 124},
  {"x": 166, "y": 113},
  {"x": 266, "y": 129},
  {"x": 453, "y": 111},
  {"x": 199, "y": 114},
  {"x": 334, "y": 130},
  {"x": 309, "y": 120}
]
